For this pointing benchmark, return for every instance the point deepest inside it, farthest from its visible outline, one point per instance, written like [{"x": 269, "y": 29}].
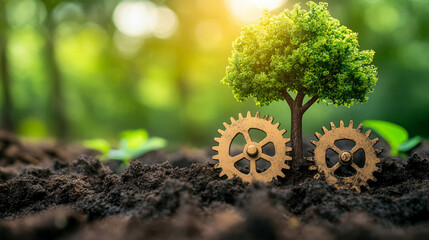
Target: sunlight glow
[
  {"x": 167, "y": 23},
  {"x": 251, "y": 10},
  {"x": 144, "y": 19}
]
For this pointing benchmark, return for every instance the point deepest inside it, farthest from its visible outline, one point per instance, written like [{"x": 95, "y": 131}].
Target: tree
[{"x": 308, "y": 53}]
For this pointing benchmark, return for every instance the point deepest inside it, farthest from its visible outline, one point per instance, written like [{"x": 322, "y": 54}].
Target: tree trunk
[
  {"x": 297, "y": 109},
  {"x": 6, "y": 118},
  {"x": 57, "y": 91},
  {"x": 296, "y": 132}
]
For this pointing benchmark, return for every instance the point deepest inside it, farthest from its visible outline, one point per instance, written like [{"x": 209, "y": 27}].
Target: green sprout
[
  {"x": 132, "y": 144},
  {"x": 304, "y": 54},
  {"x": 395, "y": 135}
]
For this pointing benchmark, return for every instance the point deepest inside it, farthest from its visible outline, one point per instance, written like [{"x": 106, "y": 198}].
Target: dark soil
[{"x": 55, "y": 195}]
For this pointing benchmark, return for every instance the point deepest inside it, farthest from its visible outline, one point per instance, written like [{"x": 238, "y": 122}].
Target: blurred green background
[{"x": 80, "y": 69}]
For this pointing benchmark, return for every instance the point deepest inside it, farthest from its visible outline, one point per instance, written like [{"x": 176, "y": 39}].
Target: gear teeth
[
  {"x": 277, "y": 125},
  {"x": 217, "y": 166},
  {"x": 341, "y": 124},
  {"x": 360, "y": 127},
  {"x": 374, "y": 141},
  {"x": 288, "y": 149},
  {"x": 357, "y": 188},
  {"x": 249, "y": 114},
  {"x": 314, "y": 143},
  {"x": 332, "y": 126},
  {"x": 282, "y": 132},
  {"x": 287, "y": 167},
  {"x": 271, "y": 119},
  {"x": 310, "y": 159},
  {"x": 368, "y": 133},
  {"x": 372, "y": 178},
  {"x": 378, "y": 151},
  {"x": 232, "y": 120},
  {"x": 221, "y": 174},
  {"x": 282, "y": 174},
  {"x": 225, "y": 125},
  {"x": 317, "y": 176},
  {"x": 312, "y": 168},
  {"x": 215, "y": 148},
  {"x": 217, "y": 140},
  {"x": 258, "y": 115},
  {"x": 215, "y": 157},
  {"x": 351, "y": 124},
  {"x": 324, "y": 129},
  {"x": 318, "y": 135},
  {"x": 266, "y": 117},
  {"x": 240, "y": 116},
  {"x": 367, "y": 186},
  {"x": 221, "y": 131}
]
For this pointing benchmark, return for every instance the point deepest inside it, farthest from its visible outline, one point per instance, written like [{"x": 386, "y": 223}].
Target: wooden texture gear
[
  {"x": 345, "y": 157},
  {"x": 252, "y": 150}
]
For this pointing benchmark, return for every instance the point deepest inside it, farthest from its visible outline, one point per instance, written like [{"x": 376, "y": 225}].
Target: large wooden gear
[
  {"x": 345, "y": 156},
  {"x": 252, "y": 150}
]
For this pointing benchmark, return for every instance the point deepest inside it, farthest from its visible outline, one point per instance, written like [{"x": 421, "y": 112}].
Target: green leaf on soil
[
  {"x": 98, "y": 144},
  {"x": 153, "y": 143},
  {"x": 410, "y": 144},
  {"x": 394, "y": 134},
  {"x": 133, "y": 139}
]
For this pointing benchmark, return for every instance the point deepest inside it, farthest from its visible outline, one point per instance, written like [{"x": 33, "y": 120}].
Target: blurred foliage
[
  {"x": 396, "y": 136},
  {"x": 132, "y": 144},
  {"x": 164, "y": 73}
]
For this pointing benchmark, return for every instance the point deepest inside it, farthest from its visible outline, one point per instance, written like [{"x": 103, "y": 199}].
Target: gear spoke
[
  {"x": 264, "y": 141},
  {"x": 246, "y": 136},
  {"x": 237, "y": 158},
  {"x": 267, "y": 157},
  {"x": 335, "y": 167},
  {"x": 354, "y": 149},
  {"x": 253, "y": 166},
  {"x": 356, "y": 167},
  {"x": 336, "y": 149}
]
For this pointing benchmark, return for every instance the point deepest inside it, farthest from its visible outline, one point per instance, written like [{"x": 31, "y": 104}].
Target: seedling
[
  {"x": 132, "y": 144},
  {"x": 301, "y": 53},
  {"x": 395, "y": 135}
]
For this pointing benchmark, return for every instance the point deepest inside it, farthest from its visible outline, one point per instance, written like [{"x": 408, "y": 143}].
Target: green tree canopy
[{"x": 300, "y": 51}]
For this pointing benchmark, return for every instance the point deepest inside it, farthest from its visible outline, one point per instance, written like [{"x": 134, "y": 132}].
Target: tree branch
[
  {"x": 288, "y": 98},
  {"x": 309, "y": 103}
]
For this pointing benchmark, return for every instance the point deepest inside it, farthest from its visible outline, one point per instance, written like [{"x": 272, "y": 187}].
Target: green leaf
[
  {"x": 98, "y": 144},
  {"x": 410, "y": 144},
  {"x": 118, "y": 154},
  {"x": 131, "y": 140},
  {"x": 151, "y": 144},
  {"x": 394, "y": 134}
]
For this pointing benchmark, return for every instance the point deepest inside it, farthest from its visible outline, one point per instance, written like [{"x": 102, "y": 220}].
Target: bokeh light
[{"x": 250, "y": 10}]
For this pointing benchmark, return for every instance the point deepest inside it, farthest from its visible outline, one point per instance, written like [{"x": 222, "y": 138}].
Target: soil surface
[{"x": 48, "y": 192}]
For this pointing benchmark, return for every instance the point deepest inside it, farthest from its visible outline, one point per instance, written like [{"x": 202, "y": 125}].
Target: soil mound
[{"x": 85, "y": 199}]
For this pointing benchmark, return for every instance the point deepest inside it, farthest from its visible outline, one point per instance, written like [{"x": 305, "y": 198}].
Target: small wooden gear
[
  {"x": 361, "y": 174},
  {"x": 252, "y": 150}
]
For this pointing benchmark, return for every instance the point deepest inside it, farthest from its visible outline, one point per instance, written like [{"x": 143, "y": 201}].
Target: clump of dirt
[
  {"x": 16, "y": 154},
  {"x": 184, "y": 198}
]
